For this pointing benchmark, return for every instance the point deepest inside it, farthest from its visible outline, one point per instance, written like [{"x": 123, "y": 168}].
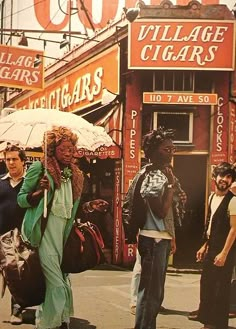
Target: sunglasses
[{"x": 169, "y": 149}]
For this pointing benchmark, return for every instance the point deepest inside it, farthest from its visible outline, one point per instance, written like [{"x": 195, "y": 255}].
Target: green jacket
[{"x": 31, "y": 227}]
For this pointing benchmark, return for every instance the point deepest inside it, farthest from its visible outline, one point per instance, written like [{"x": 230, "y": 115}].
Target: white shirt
[{"x": 13, "y": 182}]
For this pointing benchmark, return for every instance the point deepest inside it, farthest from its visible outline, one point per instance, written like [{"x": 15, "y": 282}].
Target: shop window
[
  {"x": 181, "y": 122},
  {"x": 173, "y": 81},
  {"x": 204, "y": 81}
]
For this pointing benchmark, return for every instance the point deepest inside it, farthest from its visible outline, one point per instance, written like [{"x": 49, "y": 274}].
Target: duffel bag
[
  {"x": 21, "y": 269},
  {"x": 83, "y": 249}
]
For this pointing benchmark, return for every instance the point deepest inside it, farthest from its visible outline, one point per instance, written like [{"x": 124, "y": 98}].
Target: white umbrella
[{"x": 27, "y": 127}]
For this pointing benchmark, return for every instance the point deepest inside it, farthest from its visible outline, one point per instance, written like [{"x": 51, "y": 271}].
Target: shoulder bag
[
  {"x": 21, "y": 270},
  {"x": 83, "y": 249}
]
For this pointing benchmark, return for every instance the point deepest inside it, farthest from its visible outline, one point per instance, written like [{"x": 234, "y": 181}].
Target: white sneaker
[{"x": 16, "y": 319}]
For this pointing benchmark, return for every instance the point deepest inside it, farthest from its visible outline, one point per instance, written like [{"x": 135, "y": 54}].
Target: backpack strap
[{"x": 3, "y": 284}]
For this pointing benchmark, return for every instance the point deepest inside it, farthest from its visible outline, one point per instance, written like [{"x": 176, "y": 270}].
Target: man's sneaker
[
  {"x": 193, "y": 315},
  {"x": 133, "y": 309},
  {"x": 64, "y": 325},
  {"x": 16, "y": 319}
]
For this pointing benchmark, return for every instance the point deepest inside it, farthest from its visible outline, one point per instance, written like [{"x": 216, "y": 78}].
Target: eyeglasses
[{"x": 169, "y": 149}]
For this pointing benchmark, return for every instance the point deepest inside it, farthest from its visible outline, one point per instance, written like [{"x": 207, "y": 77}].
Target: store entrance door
[{"x": 191, "y": 171}]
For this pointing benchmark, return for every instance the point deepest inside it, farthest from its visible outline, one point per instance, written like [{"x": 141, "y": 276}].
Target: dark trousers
[
  {"x": 215, "y": 292},
  {"x": 154, "y": 261},
  {"x": 233, "y": 297}
]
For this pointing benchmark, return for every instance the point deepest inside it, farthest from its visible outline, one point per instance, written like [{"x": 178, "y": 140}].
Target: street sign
[{"x": 179, "y": 98}]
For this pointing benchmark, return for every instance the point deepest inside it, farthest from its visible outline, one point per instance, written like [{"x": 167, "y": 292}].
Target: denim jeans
[
  {"x": 154, "y": 261},
  {"x": 135, "y": 280}
]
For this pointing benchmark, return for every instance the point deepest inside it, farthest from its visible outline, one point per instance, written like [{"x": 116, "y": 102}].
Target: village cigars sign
[
  {"x": 79, "y": 88},
  {"x": 181, "y": 44},
  {"x": 17, "y": 68}
]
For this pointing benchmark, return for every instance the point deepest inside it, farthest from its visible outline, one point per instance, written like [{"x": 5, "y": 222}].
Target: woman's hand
[
  {"x": 34, "y": 197},
  {"x": 99, "y": 205},
  {"x": 44, "y": 183}
]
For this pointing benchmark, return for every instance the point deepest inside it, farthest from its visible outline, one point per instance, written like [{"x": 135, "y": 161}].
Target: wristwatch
[{"x": 170, "y": 186}]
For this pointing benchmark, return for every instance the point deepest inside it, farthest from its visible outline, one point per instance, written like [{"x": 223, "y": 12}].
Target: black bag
[
  {"x": 133, "y": 218},
  {"x": 21, "y": 269},
  {"x": 83, "y": 248}
]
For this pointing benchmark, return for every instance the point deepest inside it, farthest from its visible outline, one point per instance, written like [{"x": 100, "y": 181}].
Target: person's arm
[
  {"x": 160, "y": 205},
  {"x": 31, "y": 186},
  {"x": 221, "y": 257}
]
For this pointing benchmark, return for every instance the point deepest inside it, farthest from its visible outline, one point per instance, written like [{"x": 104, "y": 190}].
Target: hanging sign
[
  {"x": 181, "y": 44},
  {"x": 79, "y": 88},
  {"x": 17, "y": 68}
]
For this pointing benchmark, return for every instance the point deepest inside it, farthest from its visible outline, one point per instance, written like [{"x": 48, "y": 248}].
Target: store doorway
[{"x": 191, "y": 171}]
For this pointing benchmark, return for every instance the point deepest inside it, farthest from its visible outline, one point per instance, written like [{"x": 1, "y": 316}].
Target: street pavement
[{"x": 101, "y": 301}]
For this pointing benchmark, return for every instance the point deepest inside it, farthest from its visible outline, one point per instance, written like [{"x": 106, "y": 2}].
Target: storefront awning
[{"x": 110, "y": 117}]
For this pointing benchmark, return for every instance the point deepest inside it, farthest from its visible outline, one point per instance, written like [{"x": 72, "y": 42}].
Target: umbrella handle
[{"x": 45, "y": 209}]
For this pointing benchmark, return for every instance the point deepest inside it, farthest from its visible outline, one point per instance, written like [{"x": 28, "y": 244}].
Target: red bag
[{"x": 83, "y": 249}]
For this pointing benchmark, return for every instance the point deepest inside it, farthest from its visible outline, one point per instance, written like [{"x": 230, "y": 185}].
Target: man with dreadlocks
[{"x": 148, "y": 208}]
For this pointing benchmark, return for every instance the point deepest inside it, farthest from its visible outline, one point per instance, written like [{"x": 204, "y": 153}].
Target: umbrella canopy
[{"x": 27, "y": 127}]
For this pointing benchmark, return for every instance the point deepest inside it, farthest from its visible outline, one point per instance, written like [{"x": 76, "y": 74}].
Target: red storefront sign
[
  {"x": 132, "y": 132},
  {"x": 181, "y": 44},
  {"x": 79, "y": 88},
  {"x": 132, "y": 149},
  {"x": 220, "y": 133},
  {"x": 232, "y": 113},
  {"x": 117, "y": 235},
  {"x": 180, "y": 98},
  {"x": 103, "y": 152},
  {"x": 17, "y": 68}
]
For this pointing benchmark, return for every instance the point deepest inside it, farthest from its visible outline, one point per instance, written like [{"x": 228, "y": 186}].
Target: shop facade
[
  {"x": 162, "y": 69},
  {"x": 182, "y": 80}
]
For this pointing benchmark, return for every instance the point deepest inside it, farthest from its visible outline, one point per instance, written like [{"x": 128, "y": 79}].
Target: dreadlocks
[{"x": 154, "y": 138}]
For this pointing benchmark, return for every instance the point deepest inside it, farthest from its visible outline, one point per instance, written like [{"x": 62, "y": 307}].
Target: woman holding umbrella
[{"x": 64, "y": 183}]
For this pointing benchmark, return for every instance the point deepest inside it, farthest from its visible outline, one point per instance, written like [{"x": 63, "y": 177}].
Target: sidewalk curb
[
  {"x": 170, "y": 269},
  {"x": 183, "y": 270}
]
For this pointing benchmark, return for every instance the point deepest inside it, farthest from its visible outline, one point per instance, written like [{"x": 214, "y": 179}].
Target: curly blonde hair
[{"x": 53, "y": 138}]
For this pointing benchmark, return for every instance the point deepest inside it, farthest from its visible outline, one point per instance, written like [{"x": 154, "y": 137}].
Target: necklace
[{"x": 66, "y": 174}]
